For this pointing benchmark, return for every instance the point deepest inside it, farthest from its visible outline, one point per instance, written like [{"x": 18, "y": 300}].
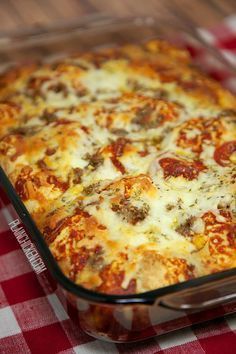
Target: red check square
[
  {"x": 15, "y": 344},
  {"x": 8, "y": 243},
  {"x": 52, "y": 339},
  {"x": 34, "y": 313},
  {"x": 22, "y": 288}
]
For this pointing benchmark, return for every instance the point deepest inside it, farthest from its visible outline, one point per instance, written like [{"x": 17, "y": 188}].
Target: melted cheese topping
[{"x": 125, "y": 159}]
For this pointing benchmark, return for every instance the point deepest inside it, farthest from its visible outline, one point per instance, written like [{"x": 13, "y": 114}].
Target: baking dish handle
[{"x": 202, "y": 297}]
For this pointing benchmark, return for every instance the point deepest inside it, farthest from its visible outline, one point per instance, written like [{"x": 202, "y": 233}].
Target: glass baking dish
[{"x": 117, "y": 318}]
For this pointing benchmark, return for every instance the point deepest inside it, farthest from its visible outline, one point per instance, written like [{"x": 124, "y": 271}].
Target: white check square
[
  {"x": 97, "y": 347},
  {"x": 231, "y": 320},
  {"x": 231, "y": 22},
  {"x": 174, "y": 339},
  {"x": 57, "y": 307},
  {"x": 13, "y": 264},
  {"x": 34, "y": 313},
  {"x": 8, "y": 323}
]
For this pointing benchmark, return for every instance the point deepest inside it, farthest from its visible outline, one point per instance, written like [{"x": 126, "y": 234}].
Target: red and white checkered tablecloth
[{"x": 32, "y": 321}]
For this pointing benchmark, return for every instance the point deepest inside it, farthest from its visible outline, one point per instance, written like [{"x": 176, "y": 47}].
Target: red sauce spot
[
  {"x": 101, "y": 227},
  {"x": 118, "y": 146},
  {"x": 209, "y": 218},
  {"x": 73, "y": 233},
  {"x": 231, "y": 237},
  {"x": 50, "y": 151},
  {"x": 13, "y": 140},
  {"x": 199, "y": 86},
  {"x": 21, "y": 189},
  {"x": 222, "y": 234},
  {"x": 50, "y": 233},
  {"x": 35, "y": 85},
  {"x": 98, "y": 249},
  {"x": 112, "y": 280},
  {"x": 181, "y": 267},
  {"x": 9, "y": 110},
  {"x": 62, "y": 249},
  {"x": 57, "y": 183},
  {"x": 85, "y": 129},
  {"x": 174, "y": 167},
  {"x": 79, "y": 260},
  {"x": 226, "y": 214},
  {"x": 143, "y": 153},
  {"x": 36, "y": 181},
  {"x": 223, "y": 153},
  {"x": 208, "y": 130},
  {"x": 82, "y": 256},
  {"x": 81, "y": 212},
  {"x": 118, "y": 164},
  {"x": 63, "y": 122},
  {"x": 42, "y": 164},
  {"x": 117, "y": 150},
  {"x": 20, "y": 185},
  {"x": 35, "y": 82}
]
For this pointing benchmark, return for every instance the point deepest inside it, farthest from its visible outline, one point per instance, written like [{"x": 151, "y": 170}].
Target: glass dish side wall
[{"x": 125, "y": 323}]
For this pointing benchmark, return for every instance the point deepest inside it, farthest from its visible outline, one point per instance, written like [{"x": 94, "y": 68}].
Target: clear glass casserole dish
[{"x": 118, "y": 318}]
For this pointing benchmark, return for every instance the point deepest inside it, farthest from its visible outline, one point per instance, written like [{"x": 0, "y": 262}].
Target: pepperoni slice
[
  {"x": 223, "y": 153},
  {"x": 174, "y": 167}
]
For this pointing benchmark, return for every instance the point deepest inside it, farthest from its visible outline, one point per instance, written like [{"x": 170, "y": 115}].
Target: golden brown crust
[{"x": 125, "y": 159}]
